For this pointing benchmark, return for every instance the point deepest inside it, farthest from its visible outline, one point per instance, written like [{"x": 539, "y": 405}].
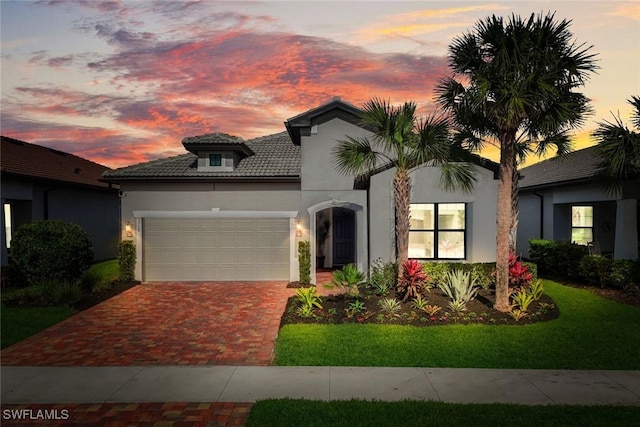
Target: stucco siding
[
  {"x": 96, "y": 211},
  {"x": 481, "y": 211},
  {"x": 317, "y": 171}
]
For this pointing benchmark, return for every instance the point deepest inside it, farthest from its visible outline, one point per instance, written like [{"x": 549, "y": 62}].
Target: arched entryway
[{"x": 337, "y": 236}]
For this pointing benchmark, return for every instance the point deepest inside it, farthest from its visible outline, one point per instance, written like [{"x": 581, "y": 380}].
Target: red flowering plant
[
  {"x": 413, "y": 279},
  {"x": 519, "y": 275}
]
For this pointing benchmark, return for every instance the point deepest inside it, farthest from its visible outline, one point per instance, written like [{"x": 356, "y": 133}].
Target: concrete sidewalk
[{"x": 250, "y": 383}]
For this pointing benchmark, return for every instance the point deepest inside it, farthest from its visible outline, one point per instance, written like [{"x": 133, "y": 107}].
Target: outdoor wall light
[
  {"x": 128, "y": 230},
  {"x": 298, "y": 229}
]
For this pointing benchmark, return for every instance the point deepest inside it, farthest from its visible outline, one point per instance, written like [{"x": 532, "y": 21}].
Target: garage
[{"x": 216, "y": 249}]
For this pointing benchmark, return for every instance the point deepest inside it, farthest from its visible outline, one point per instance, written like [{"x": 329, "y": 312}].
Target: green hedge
[
  {"x": 126, "y": 260},
  {"x": 304, "y": 262},
  {"x": 51, "y": 250},
  {"x": 558, "y": 258},
  {"x": 599, "y": 270}
]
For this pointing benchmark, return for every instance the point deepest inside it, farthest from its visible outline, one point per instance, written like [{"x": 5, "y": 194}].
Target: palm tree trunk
[
  {"x": 402, "y": 198},
  {"x": 513, "y": 234},
  {"x": 504, "y": 223}
]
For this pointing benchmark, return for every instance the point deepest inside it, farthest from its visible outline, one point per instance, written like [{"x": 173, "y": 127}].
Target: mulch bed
[{"x": 336, "y": 310}]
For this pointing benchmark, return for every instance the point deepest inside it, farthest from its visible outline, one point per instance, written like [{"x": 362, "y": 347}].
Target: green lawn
[
  {"x": 591, "y": 333},
  {"x": 306, "y": 413},
  {"x": 101, "y": 275},
  {"x": 19, "y": 323}
]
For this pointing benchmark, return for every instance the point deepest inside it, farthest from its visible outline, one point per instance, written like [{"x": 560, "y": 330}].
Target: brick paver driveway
[{"x": 221, "y": 323}]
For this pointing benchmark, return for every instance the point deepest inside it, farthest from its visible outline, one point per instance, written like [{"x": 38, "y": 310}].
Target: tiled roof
[
  {"x": 575, "y": 166},
  {"x": 275, "y": 156},
  {"x": 22, "y": 159},
  {"x": 213, "y": 138}
]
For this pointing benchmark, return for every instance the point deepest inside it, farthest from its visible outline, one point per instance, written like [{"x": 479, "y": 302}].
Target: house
[
  {"x": 561, "y": 199},
  {"x": 42, "y": 183},
  {"x": 231, "y": 209}
]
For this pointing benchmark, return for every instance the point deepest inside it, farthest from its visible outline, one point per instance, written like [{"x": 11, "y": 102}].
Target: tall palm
[
  {"x": 513, "y": 85},
  {"x": 403, "y": 140},
  {"x": 619, "y": 148}
]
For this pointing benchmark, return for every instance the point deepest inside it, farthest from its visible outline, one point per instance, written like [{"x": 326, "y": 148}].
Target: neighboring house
[
  {"x": 235, "y": 210},
  {"x": 560, "y": 199},
  {"x": 42, "y": 183}
]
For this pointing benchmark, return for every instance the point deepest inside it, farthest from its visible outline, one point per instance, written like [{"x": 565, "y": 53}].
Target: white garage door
[{"x": 216, "y": 249}]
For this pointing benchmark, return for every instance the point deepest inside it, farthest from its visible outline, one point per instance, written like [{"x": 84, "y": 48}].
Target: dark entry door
[{"x": 344, "y": 236}]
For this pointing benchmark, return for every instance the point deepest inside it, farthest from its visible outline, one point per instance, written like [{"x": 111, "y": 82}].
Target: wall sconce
[
  {"x": 298, "y": 229},
  {"x": 128, "y": 230}
]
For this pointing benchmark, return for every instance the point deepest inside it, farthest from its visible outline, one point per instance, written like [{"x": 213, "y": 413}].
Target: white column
[{"x": 626, "y": 244}]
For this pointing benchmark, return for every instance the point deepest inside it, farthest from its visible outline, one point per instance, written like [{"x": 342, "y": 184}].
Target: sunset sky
[{"x": 122, "y": 82}]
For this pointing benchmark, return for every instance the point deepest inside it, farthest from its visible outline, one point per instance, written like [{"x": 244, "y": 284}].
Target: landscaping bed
[{"x": 337, "y": 309}]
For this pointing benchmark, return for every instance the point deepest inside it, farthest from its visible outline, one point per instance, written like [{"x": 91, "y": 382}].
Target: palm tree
[
  {"x": 619, "y": 148},
  {"x": 405, "y": 141},
  {"x": 513, "y": 85}
]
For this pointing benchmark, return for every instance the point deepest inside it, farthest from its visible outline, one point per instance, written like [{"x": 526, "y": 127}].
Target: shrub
[
  {"x": 413, "y": 279},
  {"x": 51, "y": 249},
  {"x": 460, "y": 288},
  {"x": 383, "y": 276},
  {"x": 523, "y": 298},
  {"x": 126, "y": 260},
  {"x": 390, "y": 307},
  {"x": 304, "y": 262},
  {"x": 437, "y": 272},
  {"x": 519, "y": 275},
  {"x": 599, "y": 270},
  {"x": 348, "y": 280},
  {"x": 482, "y": 273},
  {"x": 60, "y": 292},
  {"x": 594, "y": 269},
  {"x": 625, "y": 273},
  {"x": 542, "y": 253},
  {"x": 307, "y": 297},
  {"x": 560, "y": 257}
]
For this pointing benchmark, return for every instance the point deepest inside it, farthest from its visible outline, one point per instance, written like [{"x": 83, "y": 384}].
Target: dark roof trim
[
  {"x": 301, "y": 124},
  {"x": 113, "y": 186},
  {"x": 556, "y": 184},
  {"x": 203, "y": 179}
]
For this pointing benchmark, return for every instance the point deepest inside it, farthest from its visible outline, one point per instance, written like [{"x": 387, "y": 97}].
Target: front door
[{"x": 344, "y": 236}]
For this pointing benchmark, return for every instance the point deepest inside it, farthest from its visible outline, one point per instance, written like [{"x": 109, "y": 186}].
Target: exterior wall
[
  {"x": 317, "y": 171},
  {"x": 556, "y": 218},
  {"x": 138, "y": 199},
  {"x": 481, "y": 211},
  {"x": 96, "y": 211}
]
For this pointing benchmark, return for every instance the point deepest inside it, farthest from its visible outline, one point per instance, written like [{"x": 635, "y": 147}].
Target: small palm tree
[
  {"x": 619, "y": 148},
  {"x": 405, "y": 141}
]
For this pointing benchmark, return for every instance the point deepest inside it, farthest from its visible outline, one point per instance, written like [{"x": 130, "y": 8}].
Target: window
[
  {"x": 7, "y": 224},
  {"x": 215, "y": 159},
  {"x": 437, "y": 231},
  {"x": 582, "y": 224}
]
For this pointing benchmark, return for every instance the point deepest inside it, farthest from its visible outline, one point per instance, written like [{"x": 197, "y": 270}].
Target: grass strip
[
  {"x": 353, "y": 413},
  {"x": 19, "y": 323}
]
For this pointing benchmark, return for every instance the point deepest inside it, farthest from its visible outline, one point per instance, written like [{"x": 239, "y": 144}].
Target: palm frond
[
  {"x": 432, "y": 143},
  {"x": 458, "y": 176},
  {"x": 356, "y": 156}
]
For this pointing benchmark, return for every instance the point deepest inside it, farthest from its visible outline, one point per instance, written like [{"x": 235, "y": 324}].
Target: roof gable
[
  {"x": 217, "y": 141},
  {"x": 30, "y": 161},
  {"x": 579, "y": 165},
  {"x": 301, "y": 124}
]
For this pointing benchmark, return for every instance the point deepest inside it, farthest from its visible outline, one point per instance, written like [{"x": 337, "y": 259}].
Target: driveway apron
[{"x": 213, "y": 323}]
